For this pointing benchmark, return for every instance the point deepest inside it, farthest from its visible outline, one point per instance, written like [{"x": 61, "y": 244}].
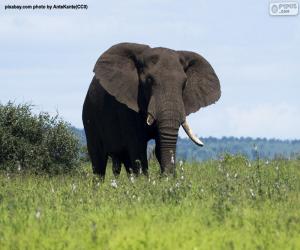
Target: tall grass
[{"x": 232, "y": 203}]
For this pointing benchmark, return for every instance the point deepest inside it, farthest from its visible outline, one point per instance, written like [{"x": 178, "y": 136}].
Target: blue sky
[{"x": 47, "y": 58}]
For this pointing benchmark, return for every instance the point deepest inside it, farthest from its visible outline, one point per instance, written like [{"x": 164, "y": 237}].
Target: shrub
[
  {"x": 35, "y": 142},
  {"x": 84, "y": 155}
]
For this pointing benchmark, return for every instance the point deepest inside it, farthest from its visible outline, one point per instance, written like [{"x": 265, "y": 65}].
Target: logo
[{"x": 284, "y": 9}]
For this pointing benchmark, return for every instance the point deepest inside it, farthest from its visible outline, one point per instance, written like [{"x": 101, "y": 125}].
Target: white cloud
[{"x": 278, "y": 120}]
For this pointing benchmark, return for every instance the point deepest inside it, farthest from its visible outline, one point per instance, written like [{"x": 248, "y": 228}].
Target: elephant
[{"x": 139, "y": 93}]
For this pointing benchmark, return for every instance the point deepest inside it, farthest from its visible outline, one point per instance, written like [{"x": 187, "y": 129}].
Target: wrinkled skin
[{"x": 133, "y": 82}]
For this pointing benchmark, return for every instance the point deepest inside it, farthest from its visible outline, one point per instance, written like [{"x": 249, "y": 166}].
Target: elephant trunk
[{"x": 168, "y": 133}]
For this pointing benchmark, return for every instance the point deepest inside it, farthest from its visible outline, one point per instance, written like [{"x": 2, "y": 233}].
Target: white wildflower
[
  {"x": 172, "y": 159},
  {"x": 131, "y": 178},
  {"x": 114, "y": 183},
  {"x": 177, "y": 185},
  {"x": 235, "y": 175},
  {"x": 252, "y": 192},
  {"x": 38, "y": 214},
  {"x": 73, "y": 187},
  {"x": 182, "y": 177},
  {"x": 153, "y": 183},
  {"x": 52, "y": 190}
]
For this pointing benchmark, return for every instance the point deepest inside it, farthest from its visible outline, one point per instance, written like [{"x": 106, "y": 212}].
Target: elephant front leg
[
  {"x": 137, "y": 164},
  {"x": 144, "y": 164}
]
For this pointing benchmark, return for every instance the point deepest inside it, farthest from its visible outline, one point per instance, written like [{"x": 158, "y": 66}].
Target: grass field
[{"x": 225, "y": 204}]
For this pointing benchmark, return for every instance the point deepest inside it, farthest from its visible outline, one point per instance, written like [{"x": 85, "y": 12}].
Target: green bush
[
  {"x": 35, "y": 142},
  {"x": 84, "y": 155}
]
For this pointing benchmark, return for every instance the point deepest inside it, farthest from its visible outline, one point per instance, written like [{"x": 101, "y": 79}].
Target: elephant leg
[
  {"x": 132, "y": 165},
  {"x": 138, "y": 159},
  {"x": 97, "y": 155},
  {"x": 99, "y": 161},
  {"x": 116, "y": 166},
  {"x": 128, "y": 166},
  {"x": 144, "y": 163}
]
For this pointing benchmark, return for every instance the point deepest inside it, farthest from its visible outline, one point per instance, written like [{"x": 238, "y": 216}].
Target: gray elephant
[{"x": 141, "y": 93}]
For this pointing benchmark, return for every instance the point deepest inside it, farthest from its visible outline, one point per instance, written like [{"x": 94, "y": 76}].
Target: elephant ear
[
  {"x": 202, "y": 86},
  {"x": 117, "y": 72}
]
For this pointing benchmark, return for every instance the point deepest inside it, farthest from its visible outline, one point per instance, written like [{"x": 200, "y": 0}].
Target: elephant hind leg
[
  {"x": 97, "y": 154},
  {"x": 99, "y": 165},
  {"x": 99, "y": 160}
]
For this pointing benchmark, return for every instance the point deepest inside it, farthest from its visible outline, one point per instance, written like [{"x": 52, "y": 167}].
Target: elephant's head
[{"x": 165, "y": 84}]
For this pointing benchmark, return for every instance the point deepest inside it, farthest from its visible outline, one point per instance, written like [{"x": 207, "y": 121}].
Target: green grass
[{"x": 227, "y": 204}]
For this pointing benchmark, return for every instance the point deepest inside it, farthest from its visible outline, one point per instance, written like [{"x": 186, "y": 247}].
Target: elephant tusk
[
  {"x": 190, "y": 133},
  {"x": 150, "y": 120}
]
